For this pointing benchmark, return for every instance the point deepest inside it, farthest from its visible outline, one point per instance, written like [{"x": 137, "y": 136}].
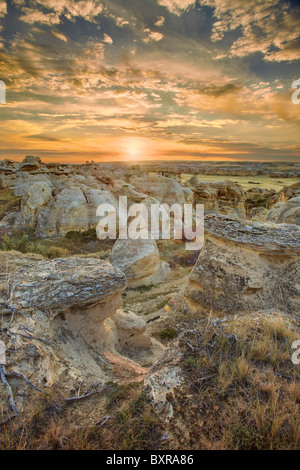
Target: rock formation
[
  {"x": 165, "y": 190},
  {"x": 139, "y": 260},
  {"x": 246, "y": 267},
  {"x": 286, "y": 212},
  {"x": 225, "y": 197},
  {"x": 67, "y": 312}
]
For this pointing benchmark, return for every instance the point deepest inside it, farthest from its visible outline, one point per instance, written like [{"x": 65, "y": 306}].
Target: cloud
[
  {"x": 32, "y": 16},
  {"x": 152, "y": 36},
  {"x": 107, "y": 39},
  {"x": 268, "y": 26},
  {"x": 177, "y": 7},
  {"x": 160, "y": 21},
  {"x": 71, "y": 9},
  {"x": 3, "y": 9}
]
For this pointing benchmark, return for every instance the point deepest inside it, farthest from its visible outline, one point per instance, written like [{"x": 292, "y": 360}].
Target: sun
[{"x": 134, "y": 148}]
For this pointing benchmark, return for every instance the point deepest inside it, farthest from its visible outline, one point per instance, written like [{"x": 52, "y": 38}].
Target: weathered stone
[
  {"x": 30, "y": 163},
  {"x": 65, "y": 212},
  {"x": 246, "y": 267},
  {"x": 37, "y": 196},
  {"x": 66, "y": 284},
  {"x": 286, "y": 212},
  {"x": 165, "y": 190},
  {"x": 139, "y": 260},
  {"x": 219, "y": 196}
]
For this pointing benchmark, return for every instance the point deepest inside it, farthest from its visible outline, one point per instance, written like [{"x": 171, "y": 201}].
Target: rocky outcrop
[
  {"x": 35, "y": 198},
  {"x": 63, "y": 285},
  {"x": 30, "y": 163},
  {"x": 246, "y": 267},
  {"x": 286, "y": 212},
  {"x": 225, "y": 197},
  {"x": 165, "y": 190},
  {"x": 289, "y": 192},
  {"x": 139, "y": 261},
  {"x": 72, "y": 210},
  {"x": 64, "y": 317}
]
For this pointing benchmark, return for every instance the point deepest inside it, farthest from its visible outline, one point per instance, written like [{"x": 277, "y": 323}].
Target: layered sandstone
[{"x": 245, "y": 267}]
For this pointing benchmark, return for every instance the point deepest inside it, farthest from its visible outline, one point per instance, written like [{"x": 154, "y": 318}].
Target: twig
[
  {"x": 20, "y": 376},
  {"x": 9, "y": 391},
  {"x": 103, "y": 420},
  {"x": 42, "y": 340},
  {"x": 82, "y": 396}
]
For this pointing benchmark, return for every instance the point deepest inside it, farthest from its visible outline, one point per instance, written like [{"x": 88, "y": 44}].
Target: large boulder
[
  {"x": 246, "y": 267},
  {"x": 139, "y": 261},
  {"x": 286, "y": 212},
  {"x": 63, "y": 285}
]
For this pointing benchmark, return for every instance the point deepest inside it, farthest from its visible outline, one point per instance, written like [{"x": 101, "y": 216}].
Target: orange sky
[{"x": 158, "y": 79}]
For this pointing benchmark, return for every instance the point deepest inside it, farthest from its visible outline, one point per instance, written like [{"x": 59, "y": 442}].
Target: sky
[{"x": 134, "y": 80}]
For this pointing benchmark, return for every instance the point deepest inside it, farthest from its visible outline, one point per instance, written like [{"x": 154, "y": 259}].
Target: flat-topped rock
[
  {"x": 261, "y": 236},
  {"x": 244, "y": 267},
  {"x": 63, "y": 284}
]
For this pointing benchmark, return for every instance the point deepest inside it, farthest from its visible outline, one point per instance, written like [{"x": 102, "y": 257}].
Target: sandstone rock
[
  {"x": 68, "y": 325},
  {"x": 286, "y": 212},
  {"x": 246, "y": 267},
  {"x": 289, "y": 192},
  {"x": 30, "y": 163},
  {"x": 95, "y": 198},
  {"x": 131, "y": 330},
  {"x": 139, "y": 260},
  {"x": 165, "y": 190},
  {"x": 220, "y": 196},
  {"x": 37, "y": 196},
  {"x": 65, "y": 212},
  {"x": 65, "y": 284}
]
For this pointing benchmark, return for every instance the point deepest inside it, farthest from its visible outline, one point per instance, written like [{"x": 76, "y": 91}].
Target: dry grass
[
  {"x": 241, "y": 391},
  {"x": 244, "y": 389},
  {"x": 8, "y": 202},
  {"x": 128, "y": 423}
]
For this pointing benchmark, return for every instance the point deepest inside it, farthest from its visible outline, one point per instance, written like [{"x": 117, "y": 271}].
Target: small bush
[{"x": 168, "y": 333}]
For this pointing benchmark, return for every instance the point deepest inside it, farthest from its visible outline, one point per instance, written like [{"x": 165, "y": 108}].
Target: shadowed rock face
[{"x": 246, "y": 267}]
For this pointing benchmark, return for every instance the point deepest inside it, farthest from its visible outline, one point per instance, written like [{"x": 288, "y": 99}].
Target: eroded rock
[
  {"x": 139, "y": 260},
  {"x": 286, "y": 212},
  {"x": 225, "y": 197},
  {"x": 246, "y": 266}
]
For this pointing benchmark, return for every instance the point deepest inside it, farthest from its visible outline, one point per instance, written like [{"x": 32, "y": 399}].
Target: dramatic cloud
[
  {"x": 268, "y": 26},
  {"x": 171, "y": 78},
  {"x": 71, "y": 9}
]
